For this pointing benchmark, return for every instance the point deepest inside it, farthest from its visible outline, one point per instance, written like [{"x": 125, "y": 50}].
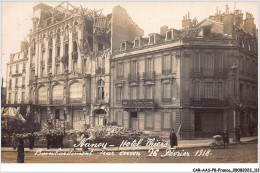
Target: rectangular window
[
  {"x": 118, "y": 94},
  {"x": 120, "y": 70},
  {"x": 120, "y": 118},
  {"x": 134, "y": 67},
  {"x": 133, "y": 92},
  {"x": 166, "y": 64},
  {"x": 17, "y": 68},
  {"x": 166, "y": 121},
  {"x": 149, "y": 92},
  {"x": 149, "y": 120},
  {"x": 50, "y": 56},
  {"x": 23, "y": 97},
  {"x": 196, "y": 90},
  {"x": 16, "y": 82},
  {"x": 166, "y": 92},
  {"x": 220, "y": 90},
  {"x": 10, "y": 83},
  {"x": 58, "y": 51},
  {"x": 10, "y": 70},
  {"x": 9, "y": 97},
  {"x": 149, "y": 65},
  {"x": 196, "y": 63},
  {"x": 57, "y": 114},
  {"x": 209, "y": 90},
  {"x": 15, "y": 97}
]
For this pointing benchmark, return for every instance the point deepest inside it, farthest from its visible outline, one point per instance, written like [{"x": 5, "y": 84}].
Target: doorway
[{"x": 134, "y": 120}]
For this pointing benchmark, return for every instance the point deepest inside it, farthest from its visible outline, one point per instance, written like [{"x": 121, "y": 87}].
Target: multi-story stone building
[
  {"x": 183, "y": 79},
  {"x": 69, "y": 53},
  {"x": 17, "y": 81}
]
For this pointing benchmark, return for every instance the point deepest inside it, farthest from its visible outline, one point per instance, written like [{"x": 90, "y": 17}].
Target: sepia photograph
[{"x": 130, "y": 82}]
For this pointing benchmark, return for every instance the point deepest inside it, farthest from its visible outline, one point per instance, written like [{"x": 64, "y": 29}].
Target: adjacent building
[
  {"x": 68, "y": 65},
  {"x": 183, "y": 79}
]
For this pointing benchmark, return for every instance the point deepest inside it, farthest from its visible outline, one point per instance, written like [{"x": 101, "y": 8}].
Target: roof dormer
[
  {"x": 126, "y": 45},
  {"x": 155, "y": 37}
]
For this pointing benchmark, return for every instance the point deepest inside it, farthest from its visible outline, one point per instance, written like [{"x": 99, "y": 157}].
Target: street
[{"x": 238, "y": 153}]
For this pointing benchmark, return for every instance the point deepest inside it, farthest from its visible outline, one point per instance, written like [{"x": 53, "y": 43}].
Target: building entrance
[{"x": 134, "y": 120}]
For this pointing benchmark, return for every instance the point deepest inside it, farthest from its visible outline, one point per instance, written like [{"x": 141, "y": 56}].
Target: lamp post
[{"x": 234, "y": 73}]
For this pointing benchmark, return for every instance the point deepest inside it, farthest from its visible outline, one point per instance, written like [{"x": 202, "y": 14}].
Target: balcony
[
  {"x": 74, "y": 56},
  {"x": 100, "y": 70},
  {"x": 134, "y": 77},
  {"x": 149, "y": 75},
  {"x": 208, "y": 73},
  {"x": 203, "y": 102},
  {"x": 75, "y": 35},
  {"x": 166, "y": 71},
  {"x": 43, "y": 102},
  {"x": 138, "y": 103}
]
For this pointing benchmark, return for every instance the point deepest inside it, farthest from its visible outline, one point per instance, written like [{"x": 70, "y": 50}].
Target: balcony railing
[
  {"x": 57, "y": 101},
  {"x": 208, "y": 102},
  {"x": 100, "y": 70},
  {"x": 66, "y": 38},
  {"x": 138, "y": 103},
  {"x": 149, "y": 75},
  {"x": 43, "y": 102},
  {"x": 166, "y": 71},
  {"x": 75, "y": 100},
  {"x": 215, "y": 73},
  {"x": 133, "y": 77}
]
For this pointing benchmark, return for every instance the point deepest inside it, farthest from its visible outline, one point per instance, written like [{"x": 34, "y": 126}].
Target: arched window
[{"x": 100, "y": 89}]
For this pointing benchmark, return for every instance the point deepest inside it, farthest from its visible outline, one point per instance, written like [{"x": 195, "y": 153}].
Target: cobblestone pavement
[{"x": 238, "y": 153}]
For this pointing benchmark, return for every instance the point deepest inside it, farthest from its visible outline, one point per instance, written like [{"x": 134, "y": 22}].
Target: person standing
[
  {"x": 226, "y": 139},
  {"x": 14, "y": 143},
  {"x": 238, "y": 133},
  {"x": 48, "y": 137},
  {"x": 173, "y": 139},
  {"x": 20, "y": 156},
  {"x": 31, "y": 140}
]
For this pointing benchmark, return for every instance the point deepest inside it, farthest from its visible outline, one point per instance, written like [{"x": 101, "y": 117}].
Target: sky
[{"x": 150, "y": 16}]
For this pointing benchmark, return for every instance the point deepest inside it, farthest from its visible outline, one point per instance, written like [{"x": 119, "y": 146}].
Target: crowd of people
[{"x": 54, "y": 140}]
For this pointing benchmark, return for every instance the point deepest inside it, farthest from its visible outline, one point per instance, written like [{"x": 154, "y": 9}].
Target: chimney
[
  {"x": 163, "y": 30},
  {"x": 228, "y": 22},
  {"x": 238, "y": 18},
  {"x": 186, "y": 21},
  {"x": 249, "y": 25}
]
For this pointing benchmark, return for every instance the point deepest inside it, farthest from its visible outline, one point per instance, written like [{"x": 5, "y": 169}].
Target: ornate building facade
[
  {"x": 68, "y": 60},
  {"x": 183, "y": 79}
]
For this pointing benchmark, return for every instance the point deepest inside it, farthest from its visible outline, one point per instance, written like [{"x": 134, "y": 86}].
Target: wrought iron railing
[
  {"x": 138, "y": 103},
  {"x": 149, "y": 75},
  {"x": 133, "y": 77},
  {"x": 202, "y": 72}
]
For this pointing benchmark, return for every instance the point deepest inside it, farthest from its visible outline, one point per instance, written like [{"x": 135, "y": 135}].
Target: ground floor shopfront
[
  {"x": 65, "y": 118},
  {"x": 190, "y": 123}
]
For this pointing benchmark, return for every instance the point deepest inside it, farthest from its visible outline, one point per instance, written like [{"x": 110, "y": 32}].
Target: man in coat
[
  {"x": 31, "y": 140},
  {"x": 20, "y": 155},
  {"x": 49, "y": 138},
  {"x": 173, "y": 139}
]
